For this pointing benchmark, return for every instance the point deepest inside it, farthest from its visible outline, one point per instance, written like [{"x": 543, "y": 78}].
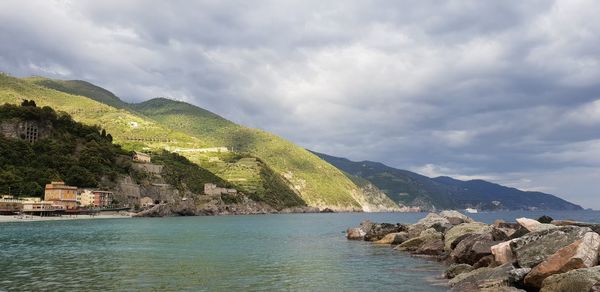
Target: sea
[{"x": 292, "y": 252}]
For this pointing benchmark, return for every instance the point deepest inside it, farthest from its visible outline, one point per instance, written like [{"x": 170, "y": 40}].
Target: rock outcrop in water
[{"x": 525, "y": 256}]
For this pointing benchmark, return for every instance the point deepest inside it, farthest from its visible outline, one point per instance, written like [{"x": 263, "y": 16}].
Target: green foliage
[
  {"x": 73, "y": 152},
  {"x": 166, "y": 124},
  {"x": 181, "y": 173}
]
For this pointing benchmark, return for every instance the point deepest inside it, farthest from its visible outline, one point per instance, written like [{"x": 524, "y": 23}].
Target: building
[
  {"x": 60, "y": 194},
  {"x": 85, "y": 198},
  {"x": 94, "y": 198},
  {"x": 141, "y": 157},
  {"x": 102, "y": 199},
  {"x": 213, "y": 189},
  {"x": 10, "y": 205}
]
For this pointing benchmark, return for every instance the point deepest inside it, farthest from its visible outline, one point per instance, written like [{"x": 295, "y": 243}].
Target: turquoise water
[{"x": 306, "y": 252}]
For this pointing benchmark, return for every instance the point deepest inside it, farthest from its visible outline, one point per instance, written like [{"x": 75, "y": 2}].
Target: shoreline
[
  {"x": 526, "y": 255},
  {"x": 29, "y": 218}
]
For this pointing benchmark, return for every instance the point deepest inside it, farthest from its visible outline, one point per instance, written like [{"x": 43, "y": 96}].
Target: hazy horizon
[{"x": 502, "y": 91}]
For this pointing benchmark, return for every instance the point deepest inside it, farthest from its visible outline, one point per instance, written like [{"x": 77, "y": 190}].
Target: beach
[{"x": 29, "y": 218}]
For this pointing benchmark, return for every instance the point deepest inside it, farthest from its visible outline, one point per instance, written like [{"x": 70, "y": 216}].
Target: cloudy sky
[{"x": 503, "y": 90}]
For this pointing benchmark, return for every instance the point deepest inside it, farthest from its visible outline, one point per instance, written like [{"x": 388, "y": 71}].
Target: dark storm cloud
[{"x": 503, "y": 90}]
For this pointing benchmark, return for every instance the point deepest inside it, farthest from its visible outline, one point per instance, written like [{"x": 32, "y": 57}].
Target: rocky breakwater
[{"x": 527, "y": 255}]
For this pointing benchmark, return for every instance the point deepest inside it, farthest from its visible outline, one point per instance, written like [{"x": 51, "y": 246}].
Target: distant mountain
[{"x": 409, "y": 188}]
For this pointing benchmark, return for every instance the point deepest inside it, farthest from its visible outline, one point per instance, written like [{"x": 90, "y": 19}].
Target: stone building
[
  {"x": 30, "y": 131},
  {"x": 141, "y": 157},
  {"x": 60, "y": 194}
]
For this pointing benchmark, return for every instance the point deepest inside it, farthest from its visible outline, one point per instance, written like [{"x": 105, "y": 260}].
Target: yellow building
[
  {"x": 60, "y": 194},
  {"x": 85, "y": 198}
]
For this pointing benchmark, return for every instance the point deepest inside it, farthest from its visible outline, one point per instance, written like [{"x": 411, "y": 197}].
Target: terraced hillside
[
  {"x": 167, "y": 124},
  {"x": 129, "y": 129}
]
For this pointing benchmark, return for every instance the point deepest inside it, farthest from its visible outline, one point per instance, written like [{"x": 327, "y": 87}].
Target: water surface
[{"x": 264, "y": 252}]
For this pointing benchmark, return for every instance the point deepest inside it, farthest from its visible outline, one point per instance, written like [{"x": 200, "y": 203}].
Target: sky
[{"x": 507, "y": 91}]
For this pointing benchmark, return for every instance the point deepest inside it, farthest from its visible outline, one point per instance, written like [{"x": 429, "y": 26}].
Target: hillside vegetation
[
  {"x": 317, "y": 182},
  {"x": 78, "y": 154},
  {"x": 406, "y": 187},
  {"x": 285, "y": 170}
]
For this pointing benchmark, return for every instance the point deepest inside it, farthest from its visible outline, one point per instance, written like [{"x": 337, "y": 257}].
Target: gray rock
[
  {"x": 414, "y": 244},
  {"x": 459, "y": 230},
  {"x": 457, "y": 269},
  {"x": 378, "y": 230},
  {"x": 474, "y": 247},
  {"x": 455, "y": 217},
  {"x": 575, "y": 280},
  {"x": 535, "y": 247},
  {"x": 432, "y": 247},
  {"x": 483, "y": 278}
]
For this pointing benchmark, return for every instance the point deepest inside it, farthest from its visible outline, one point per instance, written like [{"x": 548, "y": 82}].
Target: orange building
[
  {"x": 61, "y": 194},
  {"x": 102, "y": 199}
]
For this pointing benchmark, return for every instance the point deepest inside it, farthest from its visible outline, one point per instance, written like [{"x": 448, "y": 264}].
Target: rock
[
  {"x": 580, "y": 254},
  {"x": 575, "y": 280},
  {"x": 471, "y": 249},
  {"x": 429, "y": 221},
  {"x": 502, "y": 234},
  {"x": 458, "y": 240},
  {"x": 483, "y": 278},
  {"x": 534, "y": 225},
  {"x": 355, "y": 233},
  {"x": 535, "y": 247},
  {"x": 460, "y": 230},
  {"x": 457, "y": 269},
  {"x": 516, "y": 276},
  {"x": 378, "y": 230},
  {"x": 358, "y": 233},
  {"x": 594, "y": 226},
  {"x": 327, "y": 210},
  {"x": 502, "y": 253},
  {"x": 394, "y": 238},
  {"x": 519, "y": 232},
  {"x": 455, "y": 217},
  {"x": 432, "y": 247},
  {"x": 545, "y": 219},
  {"x": 415, "y": 243},
  {"x": 486, "y": 261}
]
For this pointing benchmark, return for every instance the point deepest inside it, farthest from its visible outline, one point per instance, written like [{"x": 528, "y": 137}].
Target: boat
[{"x": 471, "y": 210}]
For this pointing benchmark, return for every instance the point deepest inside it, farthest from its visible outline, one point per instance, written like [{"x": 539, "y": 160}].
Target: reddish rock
[
  {"x": 580, "y": 254},
  {"x": 502, "y": 253}
]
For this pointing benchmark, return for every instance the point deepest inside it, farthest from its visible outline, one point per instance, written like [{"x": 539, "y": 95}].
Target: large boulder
[
  {"x": 594, "y": 226},
  {"x": 394, "y": 238},
  {"x": 456, "y": 269},
  {"x": 355, "y": 233},
  {"x": 432, "y": 247},
  {"x": 474, "y": 247},
  {"x": 580, "y": 254},
  {"x": 380, "y": 230},
  {"x": 358, "y": 233},
  {"x": 534, "y": 225},
  {"x": 492, "y": 279},
  {"x": 455, "y": 217},
  {"x": 502, "y": 253},
  {"x": 575, "y": 280},
  {"x": 431, "y": 220},
  {"x": 415, "y": 243},
  {"x": 458, "y": 232},
  {"x": 535, "y": 247},
  {"x": 545, "y": 219}
]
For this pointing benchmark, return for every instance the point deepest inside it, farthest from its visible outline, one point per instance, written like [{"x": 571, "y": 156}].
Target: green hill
[{"x": 166, "y": 124}]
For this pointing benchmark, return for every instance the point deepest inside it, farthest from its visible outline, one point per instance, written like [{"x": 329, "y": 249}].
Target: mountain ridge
[{"x": 406, "y": 187}]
